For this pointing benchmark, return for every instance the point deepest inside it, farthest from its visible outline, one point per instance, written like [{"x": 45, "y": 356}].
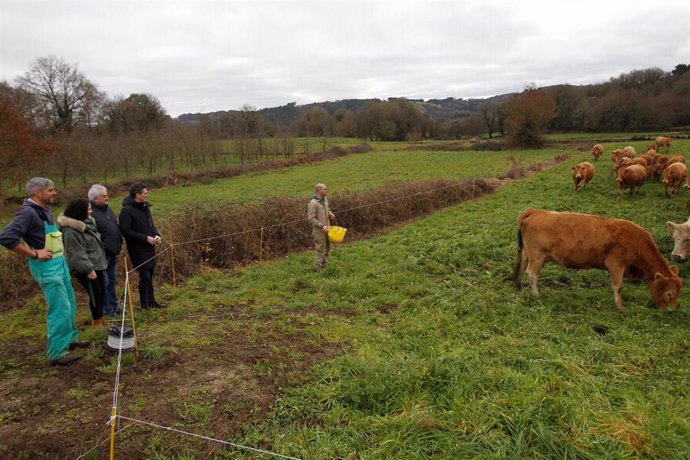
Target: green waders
[{"x": 54, "y": 279}]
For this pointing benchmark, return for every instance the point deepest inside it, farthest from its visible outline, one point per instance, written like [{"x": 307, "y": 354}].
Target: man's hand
[
  {"x": 91, "y": 275},
  {"x": 325, "y": 228},
  {"x": 44, "y": 254}
]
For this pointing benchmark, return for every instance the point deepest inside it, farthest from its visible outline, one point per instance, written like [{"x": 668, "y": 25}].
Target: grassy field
[
  {"x": 410, "y": 345},
  {"x": 353, "y": 172}
]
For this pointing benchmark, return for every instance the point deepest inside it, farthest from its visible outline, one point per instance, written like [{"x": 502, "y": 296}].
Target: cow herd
[
  {"x": 621, "y": 247},
  {"x": 631, "y": 171}
]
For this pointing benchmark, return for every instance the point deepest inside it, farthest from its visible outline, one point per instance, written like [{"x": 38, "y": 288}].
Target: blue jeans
[{"x": 110, "y": 295}]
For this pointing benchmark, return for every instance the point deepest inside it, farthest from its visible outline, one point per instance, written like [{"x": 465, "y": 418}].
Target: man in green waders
[{"x": 33, "y": 234}]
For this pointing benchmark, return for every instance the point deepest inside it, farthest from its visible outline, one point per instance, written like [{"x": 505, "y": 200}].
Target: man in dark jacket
[
  {"x": 141, "y": 236},
  {"x": 106, "y": 222},
  {"x": 33, "y": 234}
]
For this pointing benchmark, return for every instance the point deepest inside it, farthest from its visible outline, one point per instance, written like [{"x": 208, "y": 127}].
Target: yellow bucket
[{"x": 336, "y": 234}]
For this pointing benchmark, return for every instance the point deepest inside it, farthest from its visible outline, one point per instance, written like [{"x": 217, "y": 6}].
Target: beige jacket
[{"x": 318, "y": 213}]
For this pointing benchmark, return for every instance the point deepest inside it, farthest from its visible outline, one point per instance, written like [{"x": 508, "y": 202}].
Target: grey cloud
[{"x": 218, "y": 55}]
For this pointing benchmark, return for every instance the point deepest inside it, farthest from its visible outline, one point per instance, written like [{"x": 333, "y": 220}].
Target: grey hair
[
  {"x": 96, "y": 190},
  {"x": 40, "y": 183},
  {"x": 319, "y": 187}
]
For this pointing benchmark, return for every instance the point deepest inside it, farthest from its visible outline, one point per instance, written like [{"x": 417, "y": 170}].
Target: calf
[
  {"x": 597, "y": 151},
  {"x": 629, "y": 151},
  {"x": 616, "y": 155},
  {"x": 582, "y": 173},
  {"x": 662, "y": 141},
  {"x": 630, "y": 177},
  {"x": 585, "y": 241},
  {"x": 673, "y": 177}
]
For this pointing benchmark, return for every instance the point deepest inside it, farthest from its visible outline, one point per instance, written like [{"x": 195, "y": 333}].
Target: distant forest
[{"x": 648, "y": 99}]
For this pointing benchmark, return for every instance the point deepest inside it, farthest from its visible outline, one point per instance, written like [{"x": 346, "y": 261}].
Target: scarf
[
  {"x": 91, "y": 224},
  {"x": 314, "y": 196}
]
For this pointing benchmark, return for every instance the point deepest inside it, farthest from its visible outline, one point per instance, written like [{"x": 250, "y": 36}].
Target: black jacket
[
  {"x": 136, "y": 224},
  {"x": 108, "y": 228}
]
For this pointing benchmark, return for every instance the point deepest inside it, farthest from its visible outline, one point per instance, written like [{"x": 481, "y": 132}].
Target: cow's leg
[
  {"x": 533, "y": 269},
  {"x": 616, "y": 277},
  {"x": 519, "y": 268}
]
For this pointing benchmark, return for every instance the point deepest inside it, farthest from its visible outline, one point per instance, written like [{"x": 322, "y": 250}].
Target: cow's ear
[
  {"x": 657, "y": 276},
  {"x": 674, "y": 270},
  {"x": 573, "y": 168},
  {"x": 671, "y": 226}
]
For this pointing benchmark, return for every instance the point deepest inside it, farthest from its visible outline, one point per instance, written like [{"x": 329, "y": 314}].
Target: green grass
[
  {"x": 622, "y": 136},
  {"x": 353, "y": 172},
  {"x": 463, "y": 365}
]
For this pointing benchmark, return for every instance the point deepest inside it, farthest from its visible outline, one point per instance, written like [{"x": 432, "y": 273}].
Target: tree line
[{"x": 53, "y": 119}]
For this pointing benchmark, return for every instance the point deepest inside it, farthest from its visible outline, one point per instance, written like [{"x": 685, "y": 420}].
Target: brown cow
[
  {"x": 597, "y": 151},
  {"x": 651, "y": 146},
  {"x": 673, "y": 177},
  {"x": 616, "y": 155},
  {"x": 629, "y": 151},
  {"x": 585, "y": 241},
  {"x": 582, "y": 174},
  {"x": 676, "y": 159},
  {"x": 625, "y": 161},
  {"x": 630, "y": 177},
  {"x": 662, "y": 141},
  {"x": 681, "y": 240}
]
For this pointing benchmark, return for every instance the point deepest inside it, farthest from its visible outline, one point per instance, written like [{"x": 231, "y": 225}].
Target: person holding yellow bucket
[{"x": 319, "y": 216}]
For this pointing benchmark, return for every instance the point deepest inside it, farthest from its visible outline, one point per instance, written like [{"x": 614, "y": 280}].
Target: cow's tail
[{"x": 517, "y": 267}]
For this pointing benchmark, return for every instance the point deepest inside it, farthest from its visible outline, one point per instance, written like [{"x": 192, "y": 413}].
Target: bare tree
[{"x": 67, "y": 97}]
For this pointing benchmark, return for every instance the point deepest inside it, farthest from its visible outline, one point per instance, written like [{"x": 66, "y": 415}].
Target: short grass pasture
[{"x": 412, "y": 344}]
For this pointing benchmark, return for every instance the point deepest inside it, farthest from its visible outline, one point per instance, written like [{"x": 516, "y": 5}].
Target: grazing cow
[
  {"x": 630, "y": 177},
  {"x": 582, "y": 174},
  {"x": 681, "y": 240},
  {"x": 616, "y": 155},
  {"x": 650, "y": 157},
  {"x": 676, "y": 159},
  {"x": 597, "y": 151},
  {"x": 629, "y": 151},
  {"x": 585, "y": 241},
  {"x": 663, "y": 141},
  {"x": 673, "y": 177},
  {"x": 625, "y": 161},
  {"x": 651, "y": 146}
]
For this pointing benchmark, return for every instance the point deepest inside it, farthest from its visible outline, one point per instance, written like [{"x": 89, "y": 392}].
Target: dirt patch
[{"x": 213, "y": 389}]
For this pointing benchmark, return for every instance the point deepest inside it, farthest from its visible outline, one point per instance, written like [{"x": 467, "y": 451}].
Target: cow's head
[
  {"x": 666, "y": 289},
  {"x": 681, "y": 240}
]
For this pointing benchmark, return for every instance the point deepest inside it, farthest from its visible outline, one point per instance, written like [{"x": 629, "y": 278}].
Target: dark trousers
[
  {"x": 146, "y": 297},
  {"x": 110, "y": 295},
  {"x": 95, "y": 289}
]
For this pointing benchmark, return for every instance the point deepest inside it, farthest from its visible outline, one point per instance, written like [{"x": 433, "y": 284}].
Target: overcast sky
[{"x": 203, "y": 56}]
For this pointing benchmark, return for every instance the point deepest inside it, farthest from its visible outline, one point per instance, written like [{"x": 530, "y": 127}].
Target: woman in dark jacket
[
  {"x": 85, "y": 253},
  {"x": 141, "y": 236}
]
